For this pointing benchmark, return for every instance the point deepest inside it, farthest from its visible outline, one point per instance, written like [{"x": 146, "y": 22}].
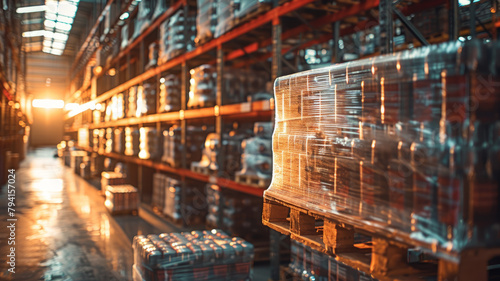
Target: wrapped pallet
[{"x": 406, "y": 142}]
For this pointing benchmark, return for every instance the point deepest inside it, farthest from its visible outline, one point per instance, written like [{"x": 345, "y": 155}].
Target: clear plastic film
[
  {"x": 408, "y": 141},
  {"x": 196, "y": 255},
  {"x": 121, "y": 198}
]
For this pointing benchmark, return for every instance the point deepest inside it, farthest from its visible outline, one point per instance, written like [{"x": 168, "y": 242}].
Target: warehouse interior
[{"x": 291, "y": 140}]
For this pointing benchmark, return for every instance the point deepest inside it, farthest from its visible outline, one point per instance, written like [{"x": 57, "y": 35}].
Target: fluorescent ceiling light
[
  {"x": 34, "y": 33},
  {"x": 64, "y": 19},
  {"x": 46, "y": 49},
  {"x": 48, "y": 103},
  {"x": 49, "y": 23},
  {"x": 56, "y": 35},
  {"x": 71, "y": 106},
  {"x": 50, "y": 16},
  {"x": 52, "y": 7},
  {"x": 47, "y": 43},
  {"x": 124, "y": 16},
  {"x": 63, "y": 26},
  {"x": 56, "y": 52},
  {"x": 58, "y": 45},
  {"x": 31, "y": 9}
]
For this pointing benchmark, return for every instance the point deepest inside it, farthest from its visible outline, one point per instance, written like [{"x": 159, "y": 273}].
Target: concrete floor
[{"x": 64, "y": 232}]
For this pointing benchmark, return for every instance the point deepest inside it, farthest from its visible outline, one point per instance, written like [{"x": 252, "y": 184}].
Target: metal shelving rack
[
  {"x": 12, "y": 79},
  {"x": 267, "y": 39}
]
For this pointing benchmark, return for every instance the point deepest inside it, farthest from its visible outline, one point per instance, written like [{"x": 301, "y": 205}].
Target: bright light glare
[
  {"x": 31, "y": 9},
  {"x": 49, "y": 23},
  {"x": 34, "y": 33},
  {"x": 64, "y": 19},
  {"x": 71, "y": 106},
  {"x": 63, "y": 26},
  {"x": 48, "y": 103}
]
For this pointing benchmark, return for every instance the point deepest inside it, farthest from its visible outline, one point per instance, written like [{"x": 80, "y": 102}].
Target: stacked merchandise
[
  {"x": 208, "y": 163},
  {"x": 153, "y": 56},
  {"x": 125, "y": 35},
  {"x": 131, "y": 141},
  {"x": 394, "y": 139},
  {"x": 117, "y": 107},
  {"x": 132, "y": 102},
  {"x": 102, "y": 141},
  {"x": 246, "y": 7},
  {"x": 236, "y": 213},
  {"x": 119, "y": 140},
  {"x": 256, "y": 161},
  {"x": 177, "y": 36},
  {"x": 198, "y": 255},
  {"x": 83, "y": 137},
  {"x": 172, "y": 146},
  {"x": 121, "y": 199},
  {"x": 160, "y": 7},
  {"x": 109, "y": 140},
  {"x": 203, "y": 86},
  {"x": 148, "y": 143},
  {"x": 143, "y": 19},
  {"x": 225, "y": 17},
  {"x": 206, "y": 20},
  {"x": 112, "y": 178},
  {"x": 159, "y": 190},
  {"x": 238, "y": 86},
  {"x": 231, "y": 147},
  {"x": 167, "y": 198},
  {"x": 309, "y": 264},
  {"x": 170, "y": 93},
  {"x": 146, "y": 100},
  {"x": 76, "y": 159}
]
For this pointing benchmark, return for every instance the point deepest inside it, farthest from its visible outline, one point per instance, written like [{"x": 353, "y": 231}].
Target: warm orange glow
[
  {"x": 112, "y": 72},
  {"x": 98, "y": 70},
  {"x": 48, "y": 103}
]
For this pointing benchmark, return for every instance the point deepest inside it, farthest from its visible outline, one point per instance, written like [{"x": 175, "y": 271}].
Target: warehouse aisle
[{"x": 63, "y": 231}]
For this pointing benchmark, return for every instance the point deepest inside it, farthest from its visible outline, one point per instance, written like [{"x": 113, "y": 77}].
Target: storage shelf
[
  {"x": 183, "y": 172},
  {"x": 259, "y": 108}
]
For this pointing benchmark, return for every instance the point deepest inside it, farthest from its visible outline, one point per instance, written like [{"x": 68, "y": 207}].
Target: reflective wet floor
[{"x": 63, "y": 231}]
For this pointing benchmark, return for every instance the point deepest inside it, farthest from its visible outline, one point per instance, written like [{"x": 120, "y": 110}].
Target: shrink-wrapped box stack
[
  {"x": 256, "y": 160},
  {"x": 170, "y": 93},
  {"x": 408, "y": 142},
  {"x": 172, "y": 146},
  {"x": 196, "y": 255},
  {"x": 149, "y": 144},
  {"x": 177, "y": 35},
  {"x": 206, "y": 20},
  {"x": 131, "y": 141},
  {"x": 121, "y": 199}
]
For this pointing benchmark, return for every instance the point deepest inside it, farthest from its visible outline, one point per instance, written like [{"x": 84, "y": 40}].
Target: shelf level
[{"x": 184, "y": 173}]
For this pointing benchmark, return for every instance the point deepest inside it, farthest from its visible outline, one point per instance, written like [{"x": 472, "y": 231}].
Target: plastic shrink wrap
[
  {"x": 409, "y": 142},
  {"x": 121, "y": 198},
  {"x": 206, "y": 20},
  {"x": 177, "y": 35},
  {"x": 143, "y": 19},
  {"x": 131, "y": 141},
  {"x": 170, "y": 93},
  {"x": 256, "y": 160},
  {"x": 196, "y": 255},
  {"x": 246, "y": 7},
  {"x": 172, "y": 146},
  {"x": 225, "y": 17},
  {"x": 149, "y": 144}
]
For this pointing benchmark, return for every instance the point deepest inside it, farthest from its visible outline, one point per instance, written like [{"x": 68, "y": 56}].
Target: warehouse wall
[{"x": 47, "y": 78}]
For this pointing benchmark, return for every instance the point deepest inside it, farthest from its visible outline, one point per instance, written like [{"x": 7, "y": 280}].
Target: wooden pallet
[
  {"x": 385, "y": 257},
  {"x": 252, "y": 180}
]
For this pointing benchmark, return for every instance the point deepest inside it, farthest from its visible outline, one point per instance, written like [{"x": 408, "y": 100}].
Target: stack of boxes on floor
[
  {"x": 393, "y": 143},
  {"x": 197, "y": 255},
  {"x": 122, "y": 199}
]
